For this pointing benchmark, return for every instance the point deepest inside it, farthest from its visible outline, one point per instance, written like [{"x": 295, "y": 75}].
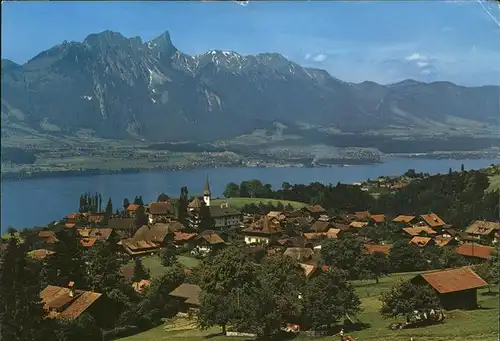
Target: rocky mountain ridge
[{"x": 124, "y": 88}]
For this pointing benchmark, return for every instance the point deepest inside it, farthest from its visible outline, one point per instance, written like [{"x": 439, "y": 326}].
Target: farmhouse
[
  {"x": 261, "y": 231},
  {"x": 456, "y": 288},
  {"x": 188, "y": 296},
  {"x": 483, "y": 230},
  {"x": 159, "y": 210},
  {"x": 475, "y": 252},
  {"x": 67, "y": 303}
]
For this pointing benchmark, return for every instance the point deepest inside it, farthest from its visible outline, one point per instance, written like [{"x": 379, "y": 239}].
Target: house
[
  {"x": 313, "y": 211},
  {"x": 320, "y": 226},
  {"x": 261, "y": 231},
  {"x": 188, "y": 296},
  {"x": 159, "y": 210},
  {"x": 475, "y": 252},
  {"x": 364, "y": 215},
  {"x": 139, "y": 247},
  {"x": 67, "y": 303},
  {"x": 484, "y": 230},
  {"x": 298, "y": 241},
  {"x": 432, "y": 220},
  {"x": 358, "y": 224},
  {"x": 148, "y": 239},
  {"x": 40, "y": 254},
  {"x": 73, "y": 218},
  {"x": 123, "y": 227},
  {"x": 225, "y": 217},
  {"x": 377, "y": 219},
  {"x": 442, "y": 241},
  {"x": 300, "y": 254},
  {"x": 87, "y": 241},
  {"x": 47, "y": 237},
  {"x": 374, "y": 248},
  {"x": 421, "y": 241},
  {"x": 277, "y": 215},
  {"x": 131, "y": 209},
  {"x": 184, "y": 239},
  {"x": 456, "y": 288},
  {"x": 208, "y": 241},
  {"x": 419, "y": 231},
  {"x": 406, "y": 220},
  {"x": 141, "y": 286}
]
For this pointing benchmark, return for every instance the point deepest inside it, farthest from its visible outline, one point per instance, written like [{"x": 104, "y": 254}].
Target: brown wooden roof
[
  {"x": 55, "y": 297},
  {"x": 264, "y": 226},
  {"x": 40, "y": 254},
  {"x": 443, "y": 241},
  {"x": 132, "y": 207},
  {"x": 189, "y": 292},
  {"x": 453, "y": 280},
  {"x": 420, "y": 241},
  {"x": 432, "y": 220},
  {"x": 159, "y": 208},
  {"x": 403, "y": 218},
  {"x": 320, "y": 226},
  {"x": 474, "y": 250},
  {"x": 373, "y": 248},
  {"x": 315, "y": 208},
  {"x": 362, "y": 215},
  {"x": 378, "y": 218},
  {"x": 483, "y": 228}
]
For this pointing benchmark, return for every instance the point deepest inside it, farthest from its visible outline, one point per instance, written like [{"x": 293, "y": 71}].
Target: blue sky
[{"x": 380, "y": 41}]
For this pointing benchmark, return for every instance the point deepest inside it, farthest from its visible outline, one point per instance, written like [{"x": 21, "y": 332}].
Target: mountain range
[{"x": 125, "y": 88}]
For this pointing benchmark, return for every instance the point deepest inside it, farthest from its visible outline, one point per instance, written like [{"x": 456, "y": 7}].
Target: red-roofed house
[
  {"x": 474, "y": 251},
  {"x": 456, "y": 288}
]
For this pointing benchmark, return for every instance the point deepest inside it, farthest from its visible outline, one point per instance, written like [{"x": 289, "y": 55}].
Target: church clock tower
[{"x": 207, "y": 195}]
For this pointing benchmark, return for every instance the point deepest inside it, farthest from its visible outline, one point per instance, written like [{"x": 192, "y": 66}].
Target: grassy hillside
[
  {"x": 240, "y": 202},
  {"x": 494, "y": 183},
  {"x": 476, "y": 325}
]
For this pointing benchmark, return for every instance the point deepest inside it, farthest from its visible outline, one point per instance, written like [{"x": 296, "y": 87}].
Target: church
[{"x": 224, "y": 216}]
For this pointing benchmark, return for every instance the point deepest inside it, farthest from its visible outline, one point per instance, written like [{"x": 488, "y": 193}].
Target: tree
[
  {"x": 66, "y": 264},
  {"x": 109, "y": 208},
  {"x": 328, "y": 297},
  {"x": 100, "y": 203},
  {"x": 450, "y": 258},
  {"x": 138, "y": 201},
  {"x": 140, "y": 216},
  {"x": 376, "y": 265},
  {"x": 278, "y": 299},
  {"x": 162, "y": 197},
  {"x": 344, "y": 253},
  {"x": 140, "y": 272},
  {"x": 126, "y": 203},
  {"x": 225, "y": 276},
  {"x": 462, "y": 168},
  {"x": 232, "y": 190},
  {"x": 84, "y": 328},
  {"x": 206, "y": 220},
  {"x": 405, "y": 257},
  {"x": 405, "y": 297},
  {"x": 182, "y": 206},
  {"x": 168, "y": 255},
  {"x": 21, "y": 308},
  {"x": 11, "y": 231}
]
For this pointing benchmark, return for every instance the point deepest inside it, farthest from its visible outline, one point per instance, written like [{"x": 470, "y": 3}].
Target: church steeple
[{"x": 206, "y": 192}]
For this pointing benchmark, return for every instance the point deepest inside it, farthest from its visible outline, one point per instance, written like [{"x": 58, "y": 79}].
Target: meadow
[{"x": 459, "y": 325}]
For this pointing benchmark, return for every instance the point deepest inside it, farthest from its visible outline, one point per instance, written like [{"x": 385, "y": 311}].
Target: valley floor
[{"x": 475, "y": 325}]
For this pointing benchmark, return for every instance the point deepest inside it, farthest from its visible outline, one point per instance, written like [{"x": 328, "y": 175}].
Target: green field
[
  {"x": 240, "y": 202},
  {"x": 477, "y": 325},
  {"x": 156, "y": 269},
  {"x": 494, "y": 183}
]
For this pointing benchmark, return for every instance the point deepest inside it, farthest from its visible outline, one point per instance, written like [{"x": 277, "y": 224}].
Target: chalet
[
  {"x": 87, "y": 241},
  {"x": 300, "y": 254},
  {"x": 313, "y": 211},
  {"x": 148, "y": 240},
  {"x": 442, "y": 241},
  {"x": 141, "y": 286},
  {"x": 95, "y": 218},
  {"x": 47, "y": 237},
  {"x": 261, "y": 231},
  {"x": 405, "y": 220},
  {"x": 456, "y": 288},
  {"x": 320, "y": 227},
  {"x": 474, "y": 252},
  {"x": 419, "y": 231},
  {"x": 298, "y": 241},
  {"x": 358, "y": 224},
  {"x": 131, "y": 209},
  {"x": 40, "y": 254},
  {"x": 159, "y": 210},
  {"x": 303, "y": 223},
  {"x": 377, "y": 219},
  {"x": 432, "y": 220},
  {"x": 123, "y": 227},
  {"x": 484, "y": 230},
  {"x": 374, "y": 248},
  {"x": 277, "y": 215},
  {"x": 73, "y": 218},
  {"x": 184, "y": 239},
  {"x": 67, "y": 303},
  {"x": 421, "y": 241},
  {"x": 188, "y": 296},
  {"x": 364, "y": 215},
  {"x": 311, "y": 270},
  {"x": 225, "y": 217},
  {"x": 139, "y": 247},
  {"x": 208, "y": 241}
]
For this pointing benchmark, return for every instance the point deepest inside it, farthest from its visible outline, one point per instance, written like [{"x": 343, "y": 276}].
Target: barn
[{"x": 456, "y": 288}]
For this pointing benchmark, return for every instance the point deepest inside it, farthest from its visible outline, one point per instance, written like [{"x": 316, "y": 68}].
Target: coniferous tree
[
  {"x": 100, "y": 202},
  {"x": 126, "y": 203},
  {"x": 109, "y": 208},
  {"x": 140, "y": 272},
  {"x": 21, "y": 308}
]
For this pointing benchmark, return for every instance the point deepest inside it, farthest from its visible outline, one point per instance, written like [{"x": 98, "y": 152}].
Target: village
[{"x": 195, "y": 228}]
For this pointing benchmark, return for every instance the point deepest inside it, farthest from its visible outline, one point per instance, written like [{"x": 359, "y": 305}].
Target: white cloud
[
  {"x": 318, "y": 58},
  {"x": 422, "y": 64},
  {"x": 415, "y": 57}
]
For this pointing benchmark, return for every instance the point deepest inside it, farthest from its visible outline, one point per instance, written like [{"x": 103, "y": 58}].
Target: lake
[{"x": 33, "y": 202}]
